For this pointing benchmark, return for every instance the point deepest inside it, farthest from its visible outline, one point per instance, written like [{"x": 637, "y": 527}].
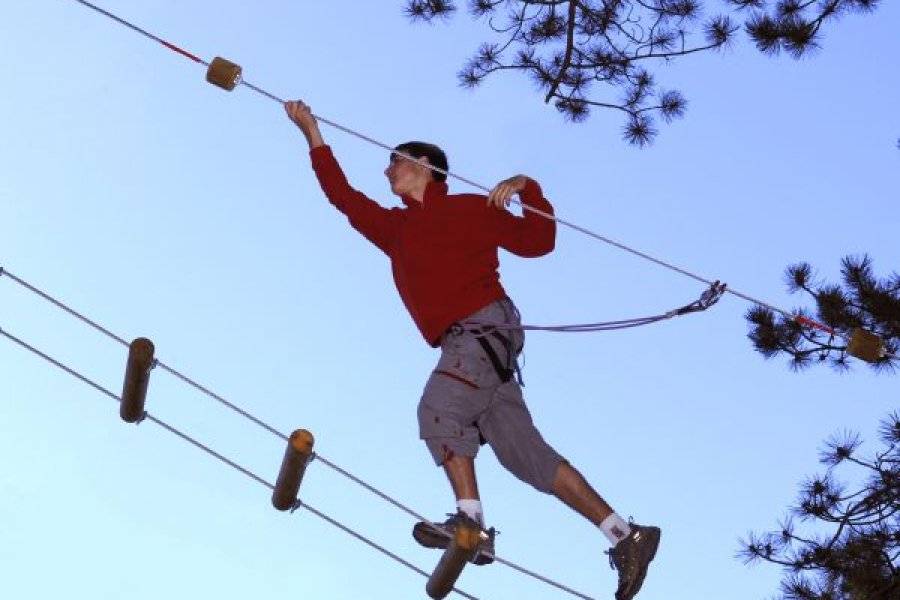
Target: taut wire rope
[
  {"x": 204, "y": 390},
  {"x": 222, "y": 458},
  {"x": 803, "y": 320},
  {"x": 262, "y": 424}
]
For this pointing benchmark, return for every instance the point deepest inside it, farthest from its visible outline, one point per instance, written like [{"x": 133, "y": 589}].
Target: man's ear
[{"x": 425, "y": 163}]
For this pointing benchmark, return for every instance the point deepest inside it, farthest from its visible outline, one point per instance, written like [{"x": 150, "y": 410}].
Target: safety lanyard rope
[
  {"x": 709, "y": 297},
  {"x": 800, "y": 319},
  {"x": 206, "y": 391}
]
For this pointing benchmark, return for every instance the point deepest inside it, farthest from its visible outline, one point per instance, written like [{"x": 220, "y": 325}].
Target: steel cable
[
  {"x": 261, "y": 424},
  {"x": 222, "y": 458},
  {"x": 584, "y": 230}
]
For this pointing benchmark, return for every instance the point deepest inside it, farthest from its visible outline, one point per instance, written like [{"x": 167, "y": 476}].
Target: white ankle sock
[
  {"x": 615, "y": 528},
  {"x": 472, "y": 507}
]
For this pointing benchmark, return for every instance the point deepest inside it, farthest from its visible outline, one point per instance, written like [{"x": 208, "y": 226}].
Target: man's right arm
[
  {"x": 302, "y": 116},
  {"x": 372, "y": 220}
]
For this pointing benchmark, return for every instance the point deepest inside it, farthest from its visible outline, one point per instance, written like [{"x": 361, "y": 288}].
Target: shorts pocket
[
  {"x": 464, "y": 359},
  {"x": 433, "y": 424}
]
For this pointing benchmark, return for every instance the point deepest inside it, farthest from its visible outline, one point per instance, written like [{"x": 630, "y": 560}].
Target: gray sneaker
[
  {"x": 630, "y": 558},
  {"x": 429, "y": 535}
]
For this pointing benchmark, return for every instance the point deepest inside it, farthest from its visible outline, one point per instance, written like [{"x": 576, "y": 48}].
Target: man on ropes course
[{"x": 443, "y": 252}]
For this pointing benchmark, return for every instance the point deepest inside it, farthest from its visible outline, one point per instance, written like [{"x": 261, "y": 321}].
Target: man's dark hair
[{"x": 435, "y": 156}]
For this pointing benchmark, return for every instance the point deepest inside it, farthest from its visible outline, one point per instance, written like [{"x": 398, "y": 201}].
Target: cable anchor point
[{"x": 296, "y": 505}]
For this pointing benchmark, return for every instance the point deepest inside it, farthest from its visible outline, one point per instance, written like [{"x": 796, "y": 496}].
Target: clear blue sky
[{"x": 164, "y": 207}]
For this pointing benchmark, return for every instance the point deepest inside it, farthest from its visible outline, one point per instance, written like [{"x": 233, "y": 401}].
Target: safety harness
[{"x": 505, "y": 369}]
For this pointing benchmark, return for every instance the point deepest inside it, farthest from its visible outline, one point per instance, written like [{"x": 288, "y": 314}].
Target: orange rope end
[
  {"x": 814, "y": 324},
  {"x": 180, "y": 51}
]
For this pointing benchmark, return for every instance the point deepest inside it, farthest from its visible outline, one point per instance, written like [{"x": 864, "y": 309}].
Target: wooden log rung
[
  {"x": 462, "y": 549},
  {"x": 137, "y": 380},
  {"x": 293, "y": 466}
]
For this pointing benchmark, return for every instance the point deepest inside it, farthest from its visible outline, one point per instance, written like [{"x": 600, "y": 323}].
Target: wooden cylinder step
[
  {"x": 293, "y": 466},
  {"x": 137, "y": 379},
  {"x": 223, "y": 73},
  {"x": 865, "y": 345},
  {"x": 461, "y": 550}
]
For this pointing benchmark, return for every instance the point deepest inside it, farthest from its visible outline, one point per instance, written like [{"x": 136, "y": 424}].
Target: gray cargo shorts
[{"x": 465, "y": 403}]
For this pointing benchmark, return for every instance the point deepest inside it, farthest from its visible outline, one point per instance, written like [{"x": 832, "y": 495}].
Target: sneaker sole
[{"x": 429, "y": 537}]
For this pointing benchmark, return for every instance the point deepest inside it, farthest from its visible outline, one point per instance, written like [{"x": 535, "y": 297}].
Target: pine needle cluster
[
  {"x": 794, "y": 26},
  {"x": 850, "y": 549},
  {"x": 861, "y": 301},
  {"x": 599, "y": 54}
]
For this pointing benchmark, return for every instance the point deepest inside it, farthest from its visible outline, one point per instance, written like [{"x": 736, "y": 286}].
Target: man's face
[{"x": 406, "y": 176}]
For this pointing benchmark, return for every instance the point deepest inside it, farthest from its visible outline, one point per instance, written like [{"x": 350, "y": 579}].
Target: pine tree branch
[
  {"x": 860, "y": 557},
  {"x": 597, "y": 103},
  {"x": 623, "y": 36},
  {"x": 862, "y": 302},
  {"x": 567, "y": 59},
  {"x": 668, "y": 55}
]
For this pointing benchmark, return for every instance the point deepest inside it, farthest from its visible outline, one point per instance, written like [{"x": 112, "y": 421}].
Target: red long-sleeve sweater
[{"x": 443, "y": 250}]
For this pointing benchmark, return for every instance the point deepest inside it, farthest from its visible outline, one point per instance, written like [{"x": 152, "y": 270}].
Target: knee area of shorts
[
  {"x": 543, "y": 476},
  {"x": 537, "y": 467}
]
